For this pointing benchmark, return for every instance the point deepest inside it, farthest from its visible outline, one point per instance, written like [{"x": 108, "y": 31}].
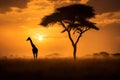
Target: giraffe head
[{"x": 28, "y": 38}]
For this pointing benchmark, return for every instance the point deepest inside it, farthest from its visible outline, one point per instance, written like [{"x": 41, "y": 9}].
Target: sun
[{"x": 40, "y": 38}]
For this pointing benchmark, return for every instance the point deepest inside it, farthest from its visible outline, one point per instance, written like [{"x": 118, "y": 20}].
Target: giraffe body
[{"x": 34, "y": 48}]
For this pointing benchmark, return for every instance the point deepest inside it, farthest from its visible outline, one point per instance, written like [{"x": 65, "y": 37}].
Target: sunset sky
[{"x": 20, "y": 19}]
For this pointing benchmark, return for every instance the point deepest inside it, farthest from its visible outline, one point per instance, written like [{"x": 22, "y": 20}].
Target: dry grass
[{"x": 62, "y": 69}]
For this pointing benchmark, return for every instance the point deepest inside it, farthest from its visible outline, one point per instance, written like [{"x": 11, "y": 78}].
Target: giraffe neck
[{"x": 31, "y": 43}]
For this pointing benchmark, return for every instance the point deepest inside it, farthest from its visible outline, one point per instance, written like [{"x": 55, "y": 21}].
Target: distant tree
[
  {"x": 104, "y": 53},
  {"x": 116, "y": 54},
  {"x": 95, "y": 54},
  {"x": 74, "y": 19}
]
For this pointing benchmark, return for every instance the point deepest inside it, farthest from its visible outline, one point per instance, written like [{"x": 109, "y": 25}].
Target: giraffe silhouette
[{"x": 34, "y": 48}]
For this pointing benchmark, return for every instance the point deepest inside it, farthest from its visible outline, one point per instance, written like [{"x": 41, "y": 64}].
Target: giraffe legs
[{"x": 35, "y": 55}]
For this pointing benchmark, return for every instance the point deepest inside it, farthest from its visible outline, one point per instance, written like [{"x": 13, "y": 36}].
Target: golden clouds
[
  {"x": 107, "y": 18},
  {"x": 59, "y": 3},
  {"x": 84, "y": 1},
  {"x": 5, "y": 5},
  {"x": 102, "y": 6}
]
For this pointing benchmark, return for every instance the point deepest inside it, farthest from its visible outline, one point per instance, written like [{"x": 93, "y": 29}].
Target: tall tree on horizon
[{"x": 74, "y": 19}]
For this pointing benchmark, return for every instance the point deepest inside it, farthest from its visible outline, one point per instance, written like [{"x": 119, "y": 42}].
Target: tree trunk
[{"x": 74, "y": 51}]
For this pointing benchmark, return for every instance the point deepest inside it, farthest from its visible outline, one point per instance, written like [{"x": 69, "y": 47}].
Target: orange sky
[{"x": 17, "y": 22}]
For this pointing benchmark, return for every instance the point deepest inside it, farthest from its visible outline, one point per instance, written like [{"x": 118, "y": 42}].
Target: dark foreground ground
[{"x": 60, "y": 69}]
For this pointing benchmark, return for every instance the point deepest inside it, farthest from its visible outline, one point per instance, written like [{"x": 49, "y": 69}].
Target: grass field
[{"x": 60, "y": 69}]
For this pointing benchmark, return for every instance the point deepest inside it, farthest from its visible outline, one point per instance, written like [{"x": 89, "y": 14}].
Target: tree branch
[
  {"x": 86, "y": 30},
  {"x": 78, "y": 38},
  {"x": 69, "y": 35},
  {"x": 81, "y": 35},
  {"x": 65, "y": 28}
]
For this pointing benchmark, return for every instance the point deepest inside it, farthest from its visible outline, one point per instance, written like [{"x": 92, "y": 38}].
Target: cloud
[
  {"x": 69, "y": 1},
  {"x": 6, "y": 5},
  {"x": 107, "y": 18},
  {"x": 102, "y": 6},
  {"x": 60, "y": 3}
]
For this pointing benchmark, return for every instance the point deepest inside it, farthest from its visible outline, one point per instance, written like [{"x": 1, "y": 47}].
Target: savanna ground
[{"x": 60, "y": 69}]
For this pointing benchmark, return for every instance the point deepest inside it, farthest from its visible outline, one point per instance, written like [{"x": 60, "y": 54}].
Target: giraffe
[{"x": 34, "y": 48}]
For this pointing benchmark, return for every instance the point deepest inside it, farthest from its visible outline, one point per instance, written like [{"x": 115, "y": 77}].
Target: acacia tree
[{"x": 74, "y": 19}]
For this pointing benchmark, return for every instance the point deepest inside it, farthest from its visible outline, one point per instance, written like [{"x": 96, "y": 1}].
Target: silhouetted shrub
[
  {"x": 101, "y": 54},
  {"x": 104, "y": 53},
  {"x": 116, "y": 54}
]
